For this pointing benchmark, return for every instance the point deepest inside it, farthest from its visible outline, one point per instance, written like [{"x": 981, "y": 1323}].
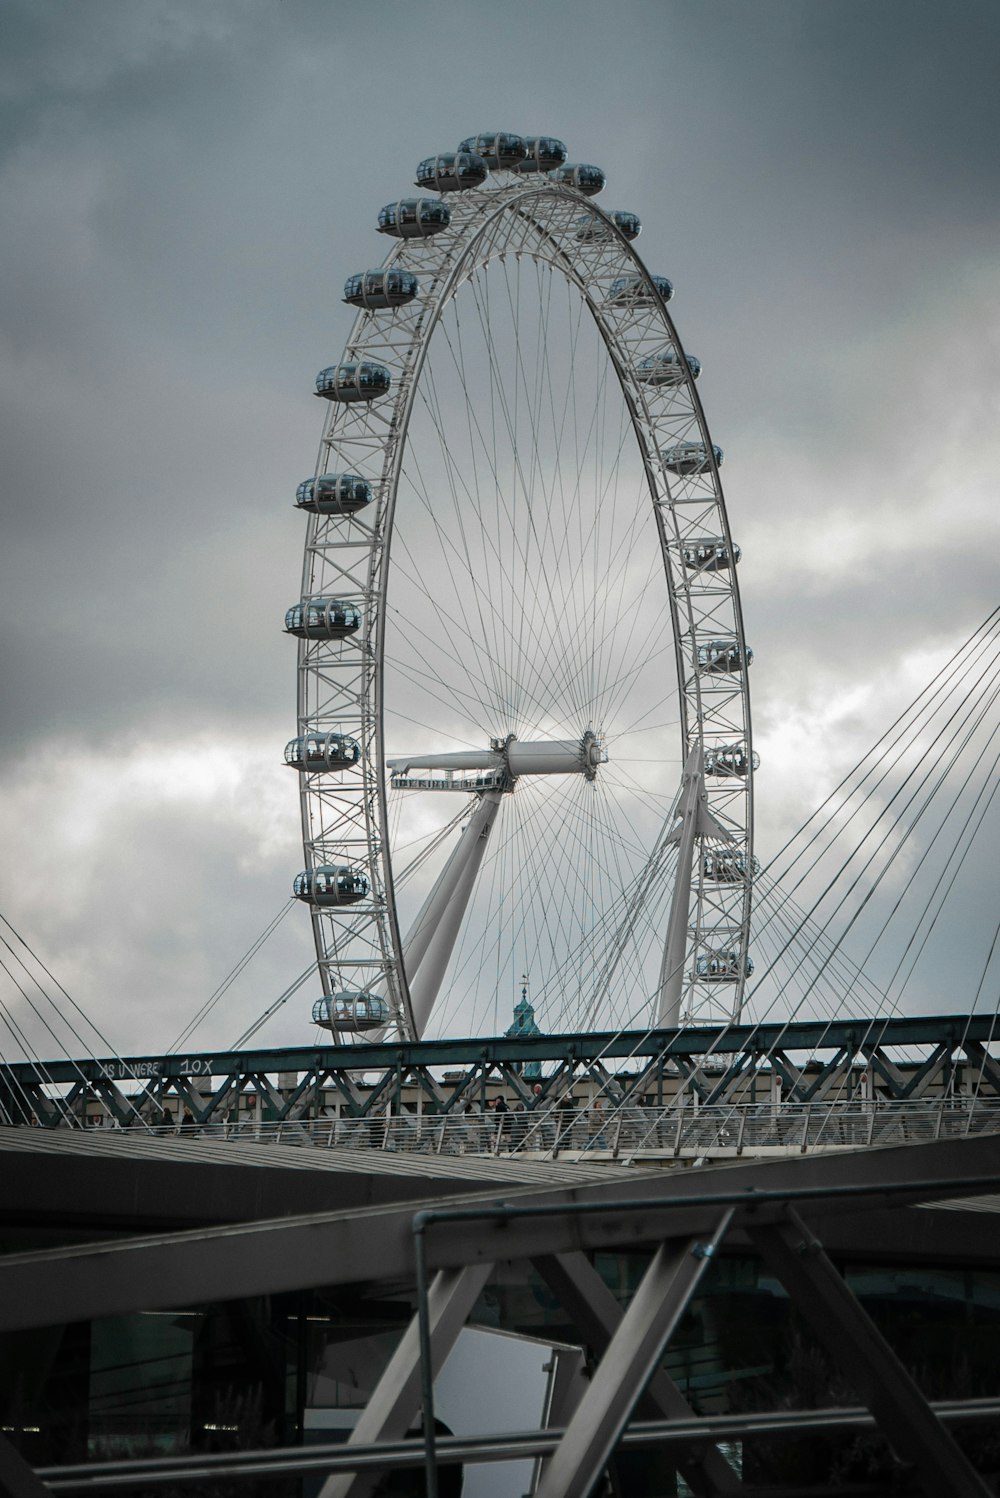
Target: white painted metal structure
[{"x": 550, "y": 636}]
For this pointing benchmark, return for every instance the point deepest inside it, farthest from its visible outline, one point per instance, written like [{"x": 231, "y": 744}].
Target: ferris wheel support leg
[
  {"x": 694, "y": 820},
  {"x": 431, "y": 940}
]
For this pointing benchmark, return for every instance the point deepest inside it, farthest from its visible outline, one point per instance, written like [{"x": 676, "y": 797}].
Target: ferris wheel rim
[{"x": 503, "y": 204}]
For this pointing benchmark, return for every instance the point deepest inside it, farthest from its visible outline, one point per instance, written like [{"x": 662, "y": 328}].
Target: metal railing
[{"x": 630, "y": 1132}]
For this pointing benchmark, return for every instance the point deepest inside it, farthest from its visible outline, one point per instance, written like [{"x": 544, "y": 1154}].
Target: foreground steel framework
[
  {"x": 785, "y": 1212},
  {"x": 511, "y": 571}
]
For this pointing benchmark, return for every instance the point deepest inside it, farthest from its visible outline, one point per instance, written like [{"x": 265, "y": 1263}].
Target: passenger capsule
[
  {"x": 667, "y": 369},
  {"x": 414, "y": 218},
  {"x": 721, "y": 967},
  {"x": 353, "y": 382},
  {"x": 330, "y": 885},
  {"x": 723, "y": 656},
  {"x": 314, "y": 753},
  {"x": 544, "y": 154},
  {"x": 593, "y": 230},
  {"x": 334, "y": 494},
  {"x": 351, "y": 1011},
  {"x": 730, "y": 759},
  {"x": 378, "y": 289},
  {"x": 728, "y": 866},
  {"x": 322, "y": 619},
  {"x": 633, "y": 291},
  {"x": 452, "y": 171},
  {"x": 688, "y": 458},
  {"x": 710, "y": 554},
  {"x": 500, "y": 150},
  {"x": 589, "y": 180}
]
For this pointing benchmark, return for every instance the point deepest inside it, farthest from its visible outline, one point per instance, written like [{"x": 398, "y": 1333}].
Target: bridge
[{"x": 706, "y": 1092}]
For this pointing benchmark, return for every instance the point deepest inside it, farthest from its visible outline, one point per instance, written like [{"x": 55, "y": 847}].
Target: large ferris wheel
[{"x": 524, "y": 737}]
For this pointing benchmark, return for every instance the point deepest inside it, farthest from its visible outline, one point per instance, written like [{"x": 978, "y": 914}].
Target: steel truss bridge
[{"x": 726, "y": 1089}]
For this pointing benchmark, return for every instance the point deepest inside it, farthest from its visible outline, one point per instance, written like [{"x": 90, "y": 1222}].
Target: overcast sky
[{"x": 185, "y": 186}]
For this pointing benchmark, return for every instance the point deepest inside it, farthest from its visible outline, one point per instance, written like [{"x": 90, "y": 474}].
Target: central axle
[{"x": 498, "y": 767}]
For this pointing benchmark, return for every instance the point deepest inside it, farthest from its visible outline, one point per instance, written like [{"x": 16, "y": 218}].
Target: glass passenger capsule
[
  {"x": 721, "y": 967},
  {"x": 688, "y": 458},
  {"x": 353, "y": 382},
  {"x": 351, "y": 1011},
  {"x": 378, "y": 289},
  {"x": 414, "y": 218},
  {"x": 314, "y": 753},
  {"x": 322, "y": 619},
  {"x": 728, "y": 866},
  {"x": 452, "y": 171},
  {"x": 334, "y": 494},
  {"x": 593, "y": 230},
  {"x": 330, "y": 885},
  {"x": 710, "y": 554},
  {"x": 589, "y": 180},
  {"x": 667, "y": 369},
  {"x": 499, "y": 149},
  {"x": 730, "y": 759},
  {"x": 721, "y": 656},
  {"x": 634, "y": 291},
  {"x": 545, "y": 154}
]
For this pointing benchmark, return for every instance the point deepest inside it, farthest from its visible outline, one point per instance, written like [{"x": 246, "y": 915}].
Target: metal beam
[
  {"x": 694, "y": 820},
  {"x": 17, "y": 1479},
  {"x": 357, "y": 1247},
  {"x": 97, "y": 1477},
  {"x": 962, "y": 1033},
  {"x": 441, "y": 920},
  {"x": 904, "y": 1416},
  {"x": 597, "y": 1316},
  {"x": 395, "y": 1401},
  {"x": 625, "y": 1369}
]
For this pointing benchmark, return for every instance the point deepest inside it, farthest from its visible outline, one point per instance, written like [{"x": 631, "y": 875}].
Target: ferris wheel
[{"x": 524, "y": 740}]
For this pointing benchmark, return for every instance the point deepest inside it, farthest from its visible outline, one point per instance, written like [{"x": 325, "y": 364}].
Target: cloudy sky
[{"x": 185, "y": 185}]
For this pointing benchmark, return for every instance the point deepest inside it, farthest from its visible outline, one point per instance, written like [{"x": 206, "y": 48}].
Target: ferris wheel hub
[{"x": 499, "y": 766}]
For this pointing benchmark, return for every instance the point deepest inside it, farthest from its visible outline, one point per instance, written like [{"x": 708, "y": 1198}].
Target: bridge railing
[{"x": 625, "y": 1134}]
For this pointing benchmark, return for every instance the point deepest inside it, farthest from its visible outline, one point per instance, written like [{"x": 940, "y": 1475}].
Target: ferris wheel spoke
[
  {"x": 463, "y": 550},
  {"x": 511, "y": 584},
  {"x": 554, "y": 605}
]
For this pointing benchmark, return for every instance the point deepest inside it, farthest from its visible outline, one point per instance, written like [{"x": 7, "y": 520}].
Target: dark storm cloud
[{"x": 186, "y": 184}]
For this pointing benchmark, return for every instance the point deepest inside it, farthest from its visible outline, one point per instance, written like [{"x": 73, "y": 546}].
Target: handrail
[{"x": 634, "y": 1132}]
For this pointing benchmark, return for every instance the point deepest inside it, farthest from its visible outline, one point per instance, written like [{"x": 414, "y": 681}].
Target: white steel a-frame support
[
  {"x": 431, "y": 939},
  {"x": 694, "y": 820},
  {"x": 395, "y": 1402},
  {"x": 629, "y": 1362}
]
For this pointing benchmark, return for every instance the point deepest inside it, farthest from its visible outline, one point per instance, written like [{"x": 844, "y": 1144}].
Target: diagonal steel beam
[
  {"x": 17, "y": 1479},
  {"x": 395, "y": 1400},
  {"x": 823, "y": 1298},
  {"x": 635, "y": 1349},
  {"x": 597, "y": 1316}
]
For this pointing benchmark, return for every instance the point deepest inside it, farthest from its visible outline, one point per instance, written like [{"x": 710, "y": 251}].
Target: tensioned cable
[
  {"x": 65, "y": 1020},
  {"x": 895, "y": 1002},
  {"x": 949, "y": 810},
  {"x": 13, "y": 1081},
  {"x": 954, "y": 719},
  {"x": 894, "y": 854},
  {"x": 42, "y": 1067},
  {"x": 273, "y": 1008},
  {"x": 885, "y": 810},
  {"x": 231, "y": 977},
  {"x": 930, "y": 691},
  {"x": 52, "y": 979},
  {"x": 946, "y": 892}
]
